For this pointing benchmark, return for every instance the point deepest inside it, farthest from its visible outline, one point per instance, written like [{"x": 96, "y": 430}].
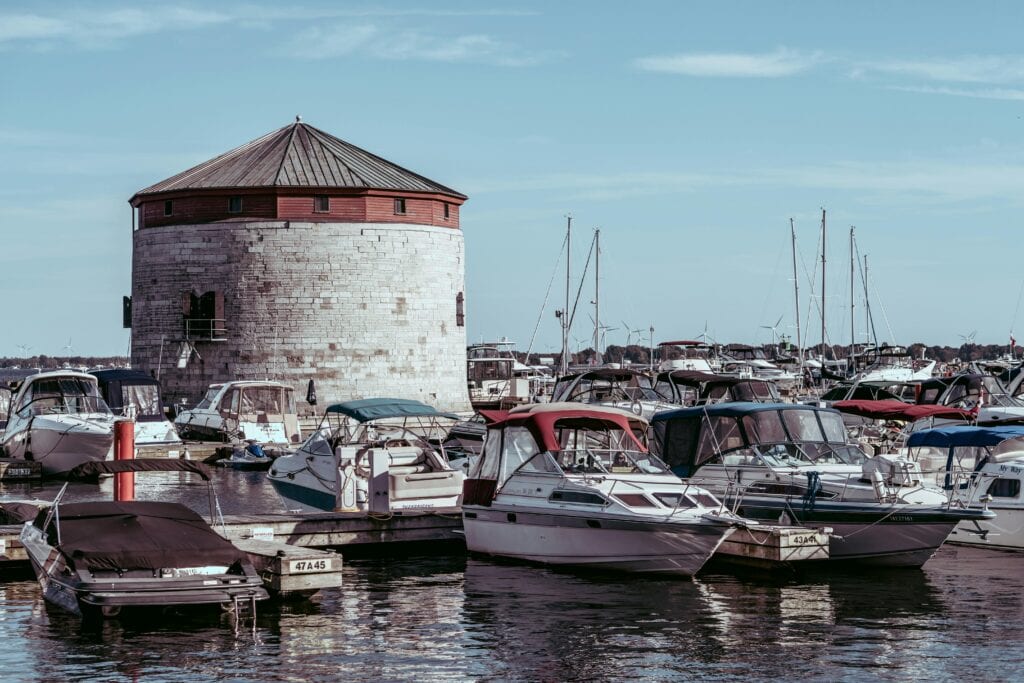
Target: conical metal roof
[{"x": 298, "y": 155}]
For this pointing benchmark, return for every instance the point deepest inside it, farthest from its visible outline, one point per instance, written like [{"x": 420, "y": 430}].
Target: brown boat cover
[
  {"x": 95, "y": 468},
  {"x": 136, "y": 535}
]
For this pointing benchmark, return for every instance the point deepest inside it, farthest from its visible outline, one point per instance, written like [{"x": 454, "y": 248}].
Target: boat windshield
[
  {"x": 211, "y": 396},
  {"x": 62, "y": 395},
  {"x": 800, "y": 454}
]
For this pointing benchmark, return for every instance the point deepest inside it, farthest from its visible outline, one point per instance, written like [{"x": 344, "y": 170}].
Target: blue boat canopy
[
  {"x": 961, "y": 436},
  {"x": 730, "y": 409},
  {"x": 368, "y": 409}
]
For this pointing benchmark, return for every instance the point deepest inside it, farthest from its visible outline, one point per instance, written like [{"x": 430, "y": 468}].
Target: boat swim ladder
[{"x": 248, "y": 604}]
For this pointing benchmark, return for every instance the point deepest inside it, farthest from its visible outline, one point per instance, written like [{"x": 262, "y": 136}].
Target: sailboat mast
[
  {"x": 853, "y": 263},
  {"x": 565, "y": 313},
  {"x": 597, "y": 296},
  {"x": 796, "y": 296},
  {"x": 823, "y": 347}
]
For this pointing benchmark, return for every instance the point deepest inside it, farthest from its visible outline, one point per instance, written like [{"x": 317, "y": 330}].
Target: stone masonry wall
[{"x": 366, "y": 310}]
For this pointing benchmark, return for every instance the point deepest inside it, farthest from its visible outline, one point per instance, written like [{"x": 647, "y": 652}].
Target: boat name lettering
[
  {"x": 1010, "y": 468},
  {"x": 901, "y": 518}
]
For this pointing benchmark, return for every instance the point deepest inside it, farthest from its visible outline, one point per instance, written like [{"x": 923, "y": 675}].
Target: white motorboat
[
  {"x": 572, "y": 484},
  {"x": 136, "y": 395},
  {"x": 622, "y": 388},
  {"x": 984, "y": 468},
  {"x": 379, "y": 455},
  {"x": 59, "y": 419},
  {"x": 792, "y": 464},
  {"x": 96, "y": 558},
  {"x": 261, "y": 410}
]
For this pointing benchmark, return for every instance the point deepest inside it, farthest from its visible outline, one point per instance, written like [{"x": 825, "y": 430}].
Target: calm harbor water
[{"x": 450, "y": 617}]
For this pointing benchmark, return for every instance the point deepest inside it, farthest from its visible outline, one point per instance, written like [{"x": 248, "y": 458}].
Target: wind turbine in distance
[
  {"x": 969, "y": 338},
  {"x": 25, "y": 348},
  {"x": 775, "y": 330},
  {"x": 68, "y": 348},
  {"x": 630, "y": 332}
]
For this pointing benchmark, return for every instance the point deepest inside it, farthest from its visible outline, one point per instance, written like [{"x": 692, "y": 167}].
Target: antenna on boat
[{"x": 853, "y": 263}]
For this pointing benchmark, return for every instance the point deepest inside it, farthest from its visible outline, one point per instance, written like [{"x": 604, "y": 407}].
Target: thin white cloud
[
  {"x": 98, "y": 29},
  {"x": 937, "y": 180},
  {"x": 981, "y": 93},
  {"x": 994, "y": 69},
  {"x": 782, "y": 62},
  {"x": 372, "y": 41}
]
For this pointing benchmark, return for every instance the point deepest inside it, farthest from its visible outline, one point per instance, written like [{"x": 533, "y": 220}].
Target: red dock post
[{"x": 124, "y": 449}]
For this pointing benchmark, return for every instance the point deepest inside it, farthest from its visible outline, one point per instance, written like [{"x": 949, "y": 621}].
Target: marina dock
[{"x": 317, "y": 531}]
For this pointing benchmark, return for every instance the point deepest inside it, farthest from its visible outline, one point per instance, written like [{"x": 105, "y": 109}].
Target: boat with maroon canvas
[{"x": 573, "y": 484}]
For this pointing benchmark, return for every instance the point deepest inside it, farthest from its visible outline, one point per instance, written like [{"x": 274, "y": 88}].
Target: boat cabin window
[
  {"x": 1004, "y": 488},
  {"x": 577, "y": 497},
  {"x": 234, "y": 401},
  {"x": 486, "y": 466},
  {"x": 518, "y": 452}
]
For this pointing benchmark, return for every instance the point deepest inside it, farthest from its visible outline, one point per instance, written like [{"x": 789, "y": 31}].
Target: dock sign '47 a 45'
[{"x": 309, "y": 566}]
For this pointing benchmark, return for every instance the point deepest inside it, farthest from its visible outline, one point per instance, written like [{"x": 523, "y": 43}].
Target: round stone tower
[{"x": 298, "y": 256}]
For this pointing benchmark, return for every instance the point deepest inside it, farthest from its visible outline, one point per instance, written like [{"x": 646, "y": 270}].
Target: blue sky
[{"x": 690, "y": 133}]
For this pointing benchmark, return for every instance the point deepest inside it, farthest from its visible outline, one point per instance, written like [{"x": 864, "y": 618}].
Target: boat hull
[
  {"x": 1006, "y": 531},
  {"x": 893, "y": 536},
  {"x": 592, "y": 541},
  {"x": 59, "y": 444}
]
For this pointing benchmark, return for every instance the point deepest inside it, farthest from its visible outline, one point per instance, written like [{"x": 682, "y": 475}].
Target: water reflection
[{"x": 538, "y": 623}]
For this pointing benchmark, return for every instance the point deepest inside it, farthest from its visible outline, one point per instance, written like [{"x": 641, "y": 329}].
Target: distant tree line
[
  {"x": 635, "y": 354},
  {"x": 44, "y": 362}
]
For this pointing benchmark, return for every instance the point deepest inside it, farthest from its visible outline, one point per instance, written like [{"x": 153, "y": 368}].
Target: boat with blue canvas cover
[
  {"x": 377, "y": 455},
  {"x": 792, "y": 464},
  {"x": 984, "y": 468}
]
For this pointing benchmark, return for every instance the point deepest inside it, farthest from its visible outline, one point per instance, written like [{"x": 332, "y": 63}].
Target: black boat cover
[{"x": 136, "y": 535}]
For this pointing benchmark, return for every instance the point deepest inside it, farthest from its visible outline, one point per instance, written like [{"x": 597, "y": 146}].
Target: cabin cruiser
[
  {"x": 96, "y": 558},
  {"x": 982, "y": 394},
  {"x": 615, "y": 387},
  {"x": 688, "y": 355},
  {"x": 792, "y": 463},
  {"x": 751, "y": 362},
  {"x": 379, "y": 455},
  {"x": 693, "y": 388},
  {"x": 983, "y": 467},
  {"x": 59, "y": 419},
  {"x": 572, "y": 484},
  {"x": 889, "y": 364},
  {"x": 261, "y": 410},
  {"x": 495, "y": 377},
  {"x": 136, "y": 395}
]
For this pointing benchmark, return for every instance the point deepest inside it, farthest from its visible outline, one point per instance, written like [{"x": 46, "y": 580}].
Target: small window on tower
[
  {"x": 321, "y": 203},
  {"x": 235, "y": 205},
  {"x": 400, "y": 207},
  {"x": 446, "y": 210},
  {"x": 460, "y": 311},
  {"x": 168, "y": 207}
]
